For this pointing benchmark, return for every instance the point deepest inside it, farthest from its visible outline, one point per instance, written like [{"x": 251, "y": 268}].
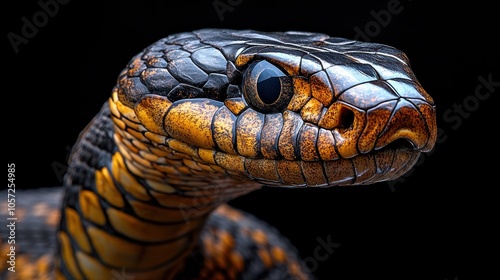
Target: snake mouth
[
  {"x": 381, "y": 164},
  {"x": 387, "y": 163}
]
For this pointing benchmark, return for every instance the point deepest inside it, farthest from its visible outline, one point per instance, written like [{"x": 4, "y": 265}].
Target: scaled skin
[{"x": 186, "y": 130}]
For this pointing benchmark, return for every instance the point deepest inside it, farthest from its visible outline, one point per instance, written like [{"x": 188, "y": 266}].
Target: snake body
[{"x": 199, "y": 118}]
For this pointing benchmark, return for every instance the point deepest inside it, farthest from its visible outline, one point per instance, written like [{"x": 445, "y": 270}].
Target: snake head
[{"x": 282, "y": 108}]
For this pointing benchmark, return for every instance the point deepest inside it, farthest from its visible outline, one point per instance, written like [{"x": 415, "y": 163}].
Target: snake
[{"x": 199, "y": 118}]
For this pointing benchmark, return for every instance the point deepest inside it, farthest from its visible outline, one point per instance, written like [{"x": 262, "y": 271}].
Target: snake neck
[{"x": 139, "y": 213}]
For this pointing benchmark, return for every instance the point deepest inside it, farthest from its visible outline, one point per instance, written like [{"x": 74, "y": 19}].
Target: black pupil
[{"x": 269, "y": 86}]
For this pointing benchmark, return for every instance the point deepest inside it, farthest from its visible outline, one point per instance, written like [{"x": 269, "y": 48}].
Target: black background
[{"x": 434, "y": 223}]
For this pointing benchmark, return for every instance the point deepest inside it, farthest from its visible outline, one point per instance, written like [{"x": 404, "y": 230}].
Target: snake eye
[{"x": 266, "y": 87}]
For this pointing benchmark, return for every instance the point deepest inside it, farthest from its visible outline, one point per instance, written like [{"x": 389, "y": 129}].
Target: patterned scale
[{"x": 199, "y": 118}]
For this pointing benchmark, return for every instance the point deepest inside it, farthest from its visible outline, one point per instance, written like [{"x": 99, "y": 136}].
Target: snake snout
[
  {"x": 381, "y": 114},
  {"x": 412, "y": 125}
]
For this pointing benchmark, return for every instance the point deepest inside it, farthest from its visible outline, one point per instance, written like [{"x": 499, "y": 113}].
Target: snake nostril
[{"x": 346, "y": 117}]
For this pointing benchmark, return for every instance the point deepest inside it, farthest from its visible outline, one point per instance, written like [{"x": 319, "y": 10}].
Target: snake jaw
[
  {"x": 283, "y": 150},
  {"x": 345, "y": 145}
]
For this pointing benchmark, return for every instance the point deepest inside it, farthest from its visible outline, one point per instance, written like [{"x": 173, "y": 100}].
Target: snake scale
[{"x": 199, "y": 118}]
